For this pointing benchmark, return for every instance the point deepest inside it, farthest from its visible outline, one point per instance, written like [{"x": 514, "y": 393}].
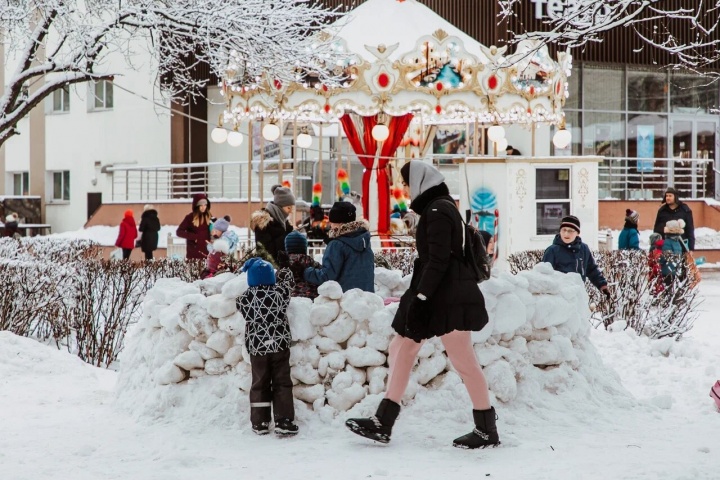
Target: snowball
[
  {"x": 541, "y": 279},
  {"x": 358, "y": 375},
  {"x": 325, "y": 345},
  {"x": 168, "y": 374},
  {"x": 309, "y": 393},
  {"x": 378, "y": 341},
  {"x": 233, "y": 324},
  {"x": 544, "y": 353},
  {"x": 322, "y": 314},
  {"x": 234, "y": 288},
  {"x": 501, "y": 380},
  {"x": 299, "y": 318},
  {"x": 303, "y": 352},
  {"x": 381, "y": 321},
  {"x": 361, "y": 305},
  {"x": 216, "y": 366},
  {"x": 214, "y": 284},
  {"x": 376, "y": 376},
  {"x": 427, "y": 349},
  {"x": 166, "y": 347},
  {"x": 167, "y": 290},
  {"x": 565, "y": 347},
  {"x": 332, "y": 361},
  {"x": 496, "y": 286},
  {"x": 430, "y": 368},
  {"x": 305, "y": 373},
  {"x": 220, "y": 341},
  {"x": 220, "y": 306},
  {"x": 233, "y": 355},
  {"x": 169, "y": 316},
  {"x": 342, "y": 381},
  {"x": 382, "y": 291},
  {"x": 345, "y": 399},
  {"x": 341, "y": 329},
  {"x": 189, "y": 360},
  {"x": 550, "y": 310},
  {"x": 331, "y": 289},
  {"x": 197, "y": 373},
  {"x": 487, "y": 354},
  {"x": 509, "y": 314},
  {"x": 358, "y": 339},
  {"x": 204, "y": 351},
  {"x": 388, "y": 278},
  {"x": 364, "y": 357}
]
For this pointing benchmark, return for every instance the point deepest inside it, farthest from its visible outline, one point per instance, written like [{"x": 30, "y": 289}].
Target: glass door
[{"x": 694, "y": 147}]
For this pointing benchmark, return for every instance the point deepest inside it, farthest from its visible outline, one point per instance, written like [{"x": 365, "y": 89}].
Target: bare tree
[
  {"x": 658, "y": 23},
  {"x": 56, "y": 43}
]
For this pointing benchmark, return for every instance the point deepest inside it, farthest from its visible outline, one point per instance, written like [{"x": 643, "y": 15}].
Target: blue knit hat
[
  {"x": 295, "y": 242},
  {"x": 259, "y": 272}
]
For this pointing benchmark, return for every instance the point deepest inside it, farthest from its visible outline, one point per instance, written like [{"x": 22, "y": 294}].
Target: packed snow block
[
  {"x": 390, "y": 279},
  {"x": 342, "y": 381},
  {"x": 233, "y": 324},
  {"x": 528, "y": 301},
  {"x": 364, "y": 357},
  {"x": 359, "y": 375},
  {"x": 382, "y": 291},
  {"x": 304, "y": 352},
  {"x": 358, "y": 339},
  {"x": 360, "y": 305},
  {"x": 168, "y": 374},
  {"x": 214, "y": 285},
  {"x": 220, "y": 306},
  {"x": 543, "y": 333},
  {"x": 324, "y": 311},
  {"x": 189, "y": 360},
  {"x": 216, "y": 366},
  {"x": 299, "y": 318},
  {"x": 305, "y": 373},
  {"x": 544, "y": 353},
  {"x": 346, "y": 398},
  {"x": 325, "y": 345},
  {"x": 233, "y": 356},
  {"x": 198, "y": 373},
  {"x": 509, "y": 314},
  {"x": 341, "y": 329},
  {"x": 429, "y": 368},
  {"x": 205, "y": 352},
  {"x": 167, "y": 346},
  {"x": 550, "y": 310},
  {"x": 169, "y": 316},
  {"x": 331, "y": 290},
  {"x": 541, "y": 279},
  {"x": 378, "y": 341},
  {"x": 197, "y": 322},
  {"x": 519, "y": 346},
  {"x": 500, "y": 377},
  {"x": 376, "y": 379},
  {"x": 496, "y": 286},
  {"x": 331, "y": 363},
  {"x": 309, "y": 393},
  {"x": 427, "y": 350},
  {"x": 220, "y": 341},
  {"x": 235, "y": 287},
  {"x": 565, "y": 347},
  {"x": 381, "y": 321},
  {"x": 167, "y": 290},
  {"x": 487, "y": 354}
]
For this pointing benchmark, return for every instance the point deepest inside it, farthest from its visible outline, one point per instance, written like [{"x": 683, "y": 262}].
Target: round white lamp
[
  {"x": 219, "y": 135},
  {"x": 304, "y": 140},
  {"x": 562, "y": 138},
  {"x": 271, "y": 132},
  {"x": 380, "y": 132},
  {"x": 502, "y": 144},
  {"x": 495, "y": 133},
  {"x": 235, "y": 138}
]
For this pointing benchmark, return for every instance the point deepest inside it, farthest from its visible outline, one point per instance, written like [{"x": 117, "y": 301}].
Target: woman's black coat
[
  {"x": 150, "y": 228},
  {"x": 440, "y": 272}
]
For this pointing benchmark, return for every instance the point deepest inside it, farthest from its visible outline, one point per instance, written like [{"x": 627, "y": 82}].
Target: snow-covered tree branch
[
  {"x": 690, "y": 33},
  {"x": 53, "y": 43}
]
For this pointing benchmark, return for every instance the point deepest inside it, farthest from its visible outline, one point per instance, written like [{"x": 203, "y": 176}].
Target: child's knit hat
[
  {"x": 221, "y": 225},
  {"x": 675, "y": 226},
  {"x": 259, "y": 272},
  {"x": 632, "y": 216},
  {"x": 571, "y": 221},
  {"x": 295, "y": 242}
]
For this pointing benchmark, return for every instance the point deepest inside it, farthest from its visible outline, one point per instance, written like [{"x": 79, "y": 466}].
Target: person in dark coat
[
  {"x": 568, "y": 254},
  {"x": 149, "y": 231},
  {"x": 270, "y": 224},
  {"x": 127, "y": 234},
  {"x": 11, "y": 226},
  {"x": 629, "y": 238},
  {"x": 443, "y": 300},
  {"x": 348, "y": 257},
  {"x": 674, "y": 209},
  {"x": 195, "y": 228}
]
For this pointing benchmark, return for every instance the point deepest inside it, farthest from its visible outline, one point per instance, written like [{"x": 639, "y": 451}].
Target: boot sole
[
  {"x": 481, "y": 447},
  {"x": 261, "y": 432},
  {"x": 285, "y": 433},
  {"x": 358, "y": 430}
]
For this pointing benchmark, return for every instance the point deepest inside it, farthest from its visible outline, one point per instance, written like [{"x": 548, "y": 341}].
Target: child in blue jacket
[{"x": 629, "y": 236}]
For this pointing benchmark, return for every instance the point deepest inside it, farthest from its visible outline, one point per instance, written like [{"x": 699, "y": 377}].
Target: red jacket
[{"x": 128, "y": 234}]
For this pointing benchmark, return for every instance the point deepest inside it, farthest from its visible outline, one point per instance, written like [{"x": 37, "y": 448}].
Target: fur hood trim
[
  {"x": 260, "y": 219},
  {"x": 349, "y": 227}
]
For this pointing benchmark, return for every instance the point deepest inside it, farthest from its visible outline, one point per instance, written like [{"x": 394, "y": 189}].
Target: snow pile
[{"x": 188, "y": 351}]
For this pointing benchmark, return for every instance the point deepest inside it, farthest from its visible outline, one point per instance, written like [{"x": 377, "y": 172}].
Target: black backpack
[{"x": 475, "y": 252}]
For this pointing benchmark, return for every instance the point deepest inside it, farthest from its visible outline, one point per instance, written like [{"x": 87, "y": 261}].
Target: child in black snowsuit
[{"x": 267, "y": 338}]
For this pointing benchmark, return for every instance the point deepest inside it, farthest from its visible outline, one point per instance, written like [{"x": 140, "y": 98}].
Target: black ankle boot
[
  {"x": 378, "y": 427},
  {"x": 485, "y": 432}
]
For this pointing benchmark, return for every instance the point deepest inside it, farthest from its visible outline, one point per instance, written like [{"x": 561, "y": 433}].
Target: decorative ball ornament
[
  {"x": 495, "y": 133},
  {"x": 501, "y": 144},
  {"x": 304, "y": 140},
  {"x": 234, "y": 139},
  {"x": 562, "y": 138},
  {"x": 219, "y": 135},
  {"x": 380, "y": 132},
  {"x": 271, "y": 132}
]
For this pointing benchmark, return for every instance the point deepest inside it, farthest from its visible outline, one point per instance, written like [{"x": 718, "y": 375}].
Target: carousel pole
[
  {"x": 476, "y": 139},
  {"x": 281, "y": 144},
  {"x": 320, "y": 158},
  {"x": 250, "y": 159},
  {"x": 338, "y": 152},
  {"x": 261, "y": 170},
  {"x": 295, "y": 160},
  {"x": 482, "y": 139},
  {"x": 532, "y": 130}
]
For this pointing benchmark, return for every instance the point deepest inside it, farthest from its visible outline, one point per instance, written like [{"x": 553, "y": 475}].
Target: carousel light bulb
[
  {"x": 271, "y": 132},
  {"x": 219, "y": 135},
  {"x": 234, "y": 138},
  {"x": 562, "y": 138},
  {"x": 380, "y": 132},
  {"x": 304, "y": 140},
  {"x": 502, "y": 144},
  {"x": 495, "y": 133}
]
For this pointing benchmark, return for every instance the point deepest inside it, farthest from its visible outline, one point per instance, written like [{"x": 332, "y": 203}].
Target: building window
[
  {"x": 101, "y": 95},
  {"x": 61, "y": 186},
  {"x": 552, "y": 190},
  {"x": 21, "y": 183},
  {"x": 61, "y": 99},
  {"x": 603, "y": 89}
]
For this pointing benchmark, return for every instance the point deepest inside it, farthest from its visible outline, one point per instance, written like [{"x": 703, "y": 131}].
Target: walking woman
[
  {"x": 149, "y": 231},
  {"x": 195, "y": 228},
  {"x": 443, "y": 300},
  {"x": 270, "y": 224},
  {"x": 127, "y": 234}
]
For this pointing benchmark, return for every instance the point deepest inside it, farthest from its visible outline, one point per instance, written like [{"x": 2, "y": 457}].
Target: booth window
[
  {"x": 102, "y": 95},
  {"x": 552, "y": 191},
  {"x": 61, "y": 99},
  {"x": 61, "y": 186},
  {"x": 20, "y": 183}
]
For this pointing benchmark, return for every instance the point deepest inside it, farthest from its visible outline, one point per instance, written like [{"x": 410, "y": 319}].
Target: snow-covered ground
[{"x": 59, "y": 419}]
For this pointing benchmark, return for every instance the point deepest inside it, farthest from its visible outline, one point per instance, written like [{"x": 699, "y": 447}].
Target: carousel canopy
[{"x": 398, "y": 57}]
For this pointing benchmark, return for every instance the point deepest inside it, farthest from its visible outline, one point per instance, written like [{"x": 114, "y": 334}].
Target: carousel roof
[{"x": 397, "y": 57}]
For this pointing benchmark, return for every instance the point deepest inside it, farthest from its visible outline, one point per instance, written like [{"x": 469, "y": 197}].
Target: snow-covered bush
[
  {"x": 634, "y": 302},
  {"x": 338, "y": 358}
]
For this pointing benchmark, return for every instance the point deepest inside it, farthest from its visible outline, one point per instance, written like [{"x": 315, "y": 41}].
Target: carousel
[{"x": 399, "y": 73}]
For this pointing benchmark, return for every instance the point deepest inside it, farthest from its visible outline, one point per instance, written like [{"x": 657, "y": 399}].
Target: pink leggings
[{"x": 458, "y": 346}]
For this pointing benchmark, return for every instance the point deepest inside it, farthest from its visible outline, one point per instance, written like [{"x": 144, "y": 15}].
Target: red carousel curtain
[{"x": 365, "y": 148}]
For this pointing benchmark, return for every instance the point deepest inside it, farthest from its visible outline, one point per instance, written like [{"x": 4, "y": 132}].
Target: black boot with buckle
[
  {"x": 378, "y": 427},
  {"x": 484, "y": 434}
]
